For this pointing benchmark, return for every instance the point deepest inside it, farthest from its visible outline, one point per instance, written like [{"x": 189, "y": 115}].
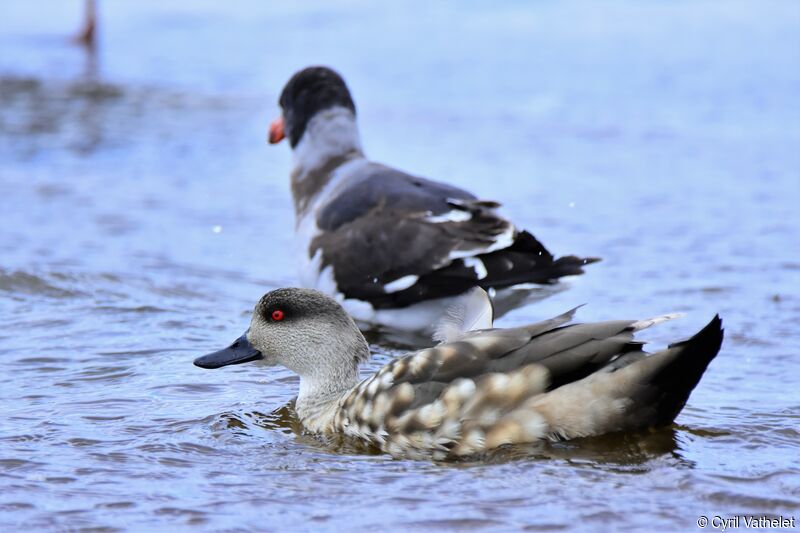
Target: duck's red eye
[{"x": 277, "y": 315}]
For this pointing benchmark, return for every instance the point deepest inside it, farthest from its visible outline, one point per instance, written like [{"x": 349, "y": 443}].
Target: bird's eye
[{"x": 277, "y": 315}]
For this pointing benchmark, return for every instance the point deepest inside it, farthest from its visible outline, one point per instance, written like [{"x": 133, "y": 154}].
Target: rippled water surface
[{"x": 143, "y": 215}]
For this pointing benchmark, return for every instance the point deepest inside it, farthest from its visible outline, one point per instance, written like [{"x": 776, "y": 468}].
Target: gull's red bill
[{"x": 276, "y": 132}]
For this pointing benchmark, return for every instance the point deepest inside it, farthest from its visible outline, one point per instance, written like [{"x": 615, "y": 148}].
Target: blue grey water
[{"x": 143, "y": 214}]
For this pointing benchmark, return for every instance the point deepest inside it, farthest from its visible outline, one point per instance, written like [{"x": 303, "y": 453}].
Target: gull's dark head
[{"x": 308, "y": 92}]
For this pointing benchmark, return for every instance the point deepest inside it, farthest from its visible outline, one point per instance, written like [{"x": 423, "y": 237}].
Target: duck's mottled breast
[{"x": 442, "y": 401}]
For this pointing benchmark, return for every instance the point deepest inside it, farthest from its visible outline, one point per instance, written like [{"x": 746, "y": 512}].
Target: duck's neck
[
  {"x": 330, "y": 139},
  {"x": 329, "y": 374},
  {"x": 319, "y": 398}
]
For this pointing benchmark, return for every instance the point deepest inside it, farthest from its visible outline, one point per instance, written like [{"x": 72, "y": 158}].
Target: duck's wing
[
  {"x": 393, "y": 239},
  {"x": 522, "y": 384}
]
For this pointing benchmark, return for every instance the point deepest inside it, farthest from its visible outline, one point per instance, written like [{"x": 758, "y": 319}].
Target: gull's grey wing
[{"x": 393, "y": 240}]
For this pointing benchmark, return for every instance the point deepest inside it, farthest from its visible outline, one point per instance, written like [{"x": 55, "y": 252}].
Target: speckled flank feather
[
  {"x": 413, "y": 418},
  {"x": 514, "y": 386}
]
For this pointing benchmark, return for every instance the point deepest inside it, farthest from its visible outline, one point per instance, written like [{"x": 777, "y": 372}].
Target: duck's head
[
  {"x": 300, "y": 329},
  {"x": 307, "y": 93}
]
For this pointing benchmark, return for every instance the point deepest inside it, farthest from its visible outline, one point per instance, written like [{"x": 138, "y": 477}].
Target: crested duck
[
  {"x": 394, "y": 248},
  {"x": 479, "y": 389}
]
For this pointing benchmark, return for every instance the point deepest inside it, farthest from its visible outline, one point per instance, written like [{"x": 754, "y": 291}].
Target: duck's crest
[{"x": 470, "y": 312}]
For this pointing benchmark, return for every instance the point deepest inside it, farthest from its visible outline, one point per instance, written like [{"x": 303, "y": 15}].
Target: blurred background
[{"x": 143, "y": 214}]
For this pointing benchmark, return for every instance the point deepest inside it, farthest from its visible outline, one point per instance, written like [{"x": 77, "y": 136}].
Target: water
[{"x": 143, "y": 215}]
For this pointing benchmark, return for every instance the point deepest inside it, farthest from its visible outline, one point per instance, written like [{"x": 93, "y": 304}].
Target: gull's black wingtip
[{"x": 570, "y": 265}]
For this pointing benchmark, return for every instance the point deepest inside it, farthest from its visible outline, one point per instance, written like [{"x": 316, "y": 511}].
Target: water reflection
[
  {"x": 34, "y": 113},
  {"x": 623, "y": 451}
]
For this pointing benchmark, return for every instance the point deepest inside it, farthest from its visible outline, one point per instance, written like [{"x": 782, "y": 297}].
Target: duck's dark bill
[{"x": 241, "y": 351}]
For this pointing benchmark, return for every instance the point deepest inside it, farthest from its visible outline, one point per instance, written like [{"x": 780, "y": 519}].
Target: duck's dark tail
[
  {"x": 676, "y": 372},
  {"x": 637, "y": 392}
]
